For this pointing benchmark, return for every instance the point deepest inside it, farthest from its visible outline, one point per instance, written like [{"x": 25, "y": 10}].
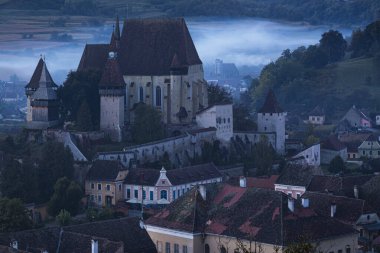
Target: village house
[
  {"x": 168, "y": 75},
  {"x": 317, "y": 116},
  {"x": 352, "y": 211},
  {"x": 352, "y": 141},
  {"x": 104, "y": 183},
  {"x": 310, "y": 156},
  {"x": 295, "y": 178},
  {"x": 225, "y": 218},
  {"x": 220, "y": 117},
  {"x": 348, "y": 186},
  {"x": 357, "y": 119},
  {"x": 42, "y": 103},
  {"x": 331, "y": 148},
  {"x": 114, "y": 236},
  {"x": 151, "y": 187},
  {"x": 370, "y": 148}
]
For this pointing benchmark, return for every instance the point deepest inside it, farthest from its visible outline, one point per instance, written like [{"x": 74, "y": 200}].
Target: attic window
[
  {"x": 132, "y": 84},
  {"x": 163, "y": 182}
]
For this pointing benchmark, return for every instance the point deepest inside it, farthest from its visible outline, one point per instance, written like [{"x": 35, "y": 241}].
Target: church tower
[
  {"x": 271, "y": 119},
  {"x": 42, "y": 101},
  {"x": 112, "y": 92}
]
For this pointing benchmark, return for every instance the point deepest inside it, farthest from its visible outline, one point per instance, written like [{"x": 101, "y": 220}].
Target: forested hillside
[
  {"x": 334, "y": 74},
  {"x": 342, "y": 12}
]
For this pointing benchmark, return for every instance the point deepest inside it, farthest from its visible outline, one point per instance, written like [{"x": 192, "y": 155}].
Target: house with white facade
[
  {"x": 219, "y": 117},
  {"x": 370, "y": 147},
  {"x": 331, "y": 148},
  {"x": 317, "y": 116},
  {"x": 309, "y": 156},
  {"x": 295, "y": 178},
  {"x": 151, "y": 187}
]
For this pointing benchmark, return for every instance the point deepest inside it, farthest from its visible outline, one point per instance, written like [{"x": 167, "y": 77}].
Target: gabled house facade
[
  {"x": 104, "y": 183},
  {"x": 317, "y": 116},
  {"x": 370, "y": 148},
  {"x": 332, "y": 147},
  {"x": 152, "y": 187},
  {"x": 357, "y": 119}
]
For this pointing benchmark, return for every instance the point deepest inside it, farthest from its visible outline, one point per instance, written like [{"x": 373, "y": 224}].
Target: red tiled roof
[
  {"x": 94, "y": 57},
  {"x": 262, "y": 182},
  {"x": 34, "y": 82},
  {"x": 332, "y": 143},
  {"x": 112, "y": 75},
  {"x": 271, "y": 105}
]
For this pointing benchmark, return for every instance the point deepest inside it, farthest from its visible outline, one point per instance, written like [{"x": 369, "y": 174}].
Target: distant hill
[
  {"x": 314, "y": 75},
  {"x": 342, "y": 12}
]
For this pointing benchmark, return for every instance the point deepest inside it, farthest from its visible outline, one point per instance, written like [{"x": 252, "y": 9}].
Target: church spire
[{"x": 117, "y": 28}]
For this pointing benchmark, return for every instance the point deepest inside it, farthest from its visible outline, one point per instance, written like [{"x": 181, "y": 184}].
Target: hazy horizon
[{"x": 245, "y": 42}]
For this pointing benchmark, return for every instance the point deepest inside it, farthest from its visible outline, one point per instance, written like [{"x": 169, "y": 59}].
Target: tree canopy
[
  {"x": 218, "y": 95},
  {"x": 147, "y": 125},
  {"x": 13, "y": 216},
  {"x": 81, "y": 86},
  {"x": 67, "y": 196}
]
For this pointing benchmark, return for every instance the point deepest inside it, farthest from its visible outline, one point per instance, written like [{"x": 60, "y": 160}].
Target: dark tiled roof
[
  {"x": 372, "y": 137},
  {"x": 112, "y": 235},
  {"x": 298, "y": 174},
  {"x": 370, "y": 192},
  {"x": 40, "y": 71},
  {"x": 112, "y": 75},
  {"x": 341, "y": 186},
  {"x": 126, "y": 230},
  {"x": 271, "y": 105},
  {"x": 317, "y": 111},
  {"x": 246, "y": 213},
  {"x": 142, "y": 177},
  {"x": 193, "y": 174},
  {"x": 104, "y": 170},
  {"x": 176, "y": 176},
  {"x": 148, "y": 46},
  {"x": 94, "y": 57},
  {"x": 332, "y": 143},
  {"x": 348, "y": 210},
  {"x": 262, "y": 182}
]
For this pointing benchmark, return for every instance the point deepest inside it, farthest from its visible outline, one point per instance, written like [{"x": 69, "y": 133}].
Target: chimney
[
  {"x": 14, "y": 244},
  {"x": 356, "y": 192},
  {"x": 243, "y": 182},
  {"x": 291, "y": 204},
  {"x": 202, "y": 191},
  {"x": 305, "y": 202},
  {"x": 333, "y": 210},
  {"x": 94, "y": 246}
]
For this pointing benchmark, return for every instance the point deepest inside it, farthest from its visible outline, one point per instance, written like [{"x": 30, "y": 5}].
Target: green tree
[
  {"x": 147, "y": 124},
  {"x": 19, "y": 180},
  {"x": 57, "y": 161},
  {"x": 311, "y": 140},
  {"x": 67, "y": 195},
  {"x": 263, "y": 156},
  {"x": 337, "y": 165},
  {"x": 242, "y": 119},
  {"x": 13, "y": 215},
  {"x": 80, "y": 86},
  {"x": 63, "y": 218},
  {"x": 84, "y": 119},
  {"x": 300, "y": 247},
  {"x": 334, "y": 45},
  {"x": 218, "y": 95}
]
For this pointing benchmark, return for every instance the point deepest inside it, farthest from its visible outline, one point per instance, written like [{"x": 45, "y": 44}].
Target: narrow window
[
  {"x": 184, "y": 249},
  {"x": 158, "y": 96},
  {"x": 176, "y": 248},
  {"x": 136, "y": 194},
  {"x": 164, "y": 194},
  {"x": 128, "y": 193},
  {"x": 141, "y": 94},
  {"x": 151, "y": 195},
  {"x": 167, "y": 247},
  {"x": 99, "y": 187}
]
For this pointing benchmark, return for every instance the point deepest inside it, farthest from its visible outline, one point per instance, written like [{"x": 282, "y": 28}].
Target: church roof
[
  {"x": 271, "y": 105},
  {"x": 147, "y": 47},
  {"x": 94, "y": 57},
  {"x": 37, "y": 77}
]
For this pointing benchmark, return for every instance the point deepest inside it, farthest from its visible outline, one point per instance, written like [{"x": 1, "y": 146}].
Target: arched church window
[
  {"x": 141, "y": 94},
  {"x": 223, "y": 250},
  {"x": 158, "y": 96}
]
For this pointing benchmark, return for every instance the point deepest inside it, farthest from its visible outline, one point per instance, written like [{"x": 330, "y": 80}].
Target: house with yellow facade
[{"x": 104, "y": 183}]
